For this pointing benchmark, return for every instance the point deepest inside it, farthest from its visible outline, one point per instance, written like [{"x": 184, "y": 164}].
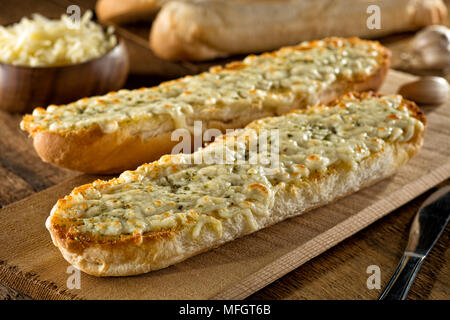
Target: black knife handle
[{"x": 401, "y": 281}]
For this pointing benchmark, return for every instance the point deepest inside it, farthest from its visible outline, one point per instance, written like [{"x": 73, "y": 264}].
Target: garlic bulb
[
  {"x": 426, "y": 90},
  {"x": 431, "y": 47}
]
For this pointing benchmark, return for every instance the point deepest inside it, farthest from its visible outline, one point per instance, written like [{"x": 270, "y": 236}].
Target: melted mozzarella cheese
[
  {"x": 175, "y": 192},
  {"x": 289, "y": 78}
]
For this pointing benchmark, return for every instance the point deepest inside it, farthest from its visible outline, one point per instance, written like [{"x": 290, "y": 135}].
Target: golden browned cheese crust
[
  {"x": 93, "y": 150},
  {"x": 139, "y": 252}
]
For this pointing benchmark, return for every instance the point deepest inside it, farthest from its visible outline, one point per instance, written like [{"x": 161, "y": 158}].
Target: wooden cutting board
[{"x": 31, "y": 264}]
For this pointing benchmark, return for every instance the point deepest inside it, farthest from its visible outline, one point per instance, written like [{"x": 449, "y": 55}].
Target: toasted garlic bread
[
  {"x": 121, "y": 130},
  {"x": 174, "y": 208}
]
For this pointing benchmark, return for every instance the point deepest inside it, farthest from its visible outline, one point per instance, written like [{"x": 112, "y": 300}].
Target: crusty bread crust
[
  {"x": 97, "y": 152},
  {"x": 119, "y": 11},
  {"x": 136, "y": 254},
  {"x": 208, "y": 30},
  {"x": 93, "y": 151}
]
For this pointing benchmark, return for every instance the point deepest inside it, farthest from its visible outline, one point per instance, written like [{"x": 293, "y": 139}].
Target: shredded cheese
[{"x": 39, "y": 41}]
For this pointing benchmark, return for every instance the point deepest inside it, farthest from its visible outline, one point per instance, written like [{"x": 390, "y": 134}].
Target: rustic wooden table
[{"x": 340, "y": 273}]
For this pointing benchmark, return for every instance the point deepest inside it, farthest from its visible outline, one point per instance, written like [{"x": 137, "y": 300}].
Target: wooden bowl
[{"x": 23, "y": 88}]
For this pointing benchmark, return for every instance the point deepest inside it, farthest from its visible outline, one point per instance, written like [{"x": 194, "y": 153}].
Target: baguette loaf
[
  {"x": 177, "y": 207},
  {"x": 124, "y": 129},
  {"x": 120, "y": 11},
  {"x": 202, "y": 30}
]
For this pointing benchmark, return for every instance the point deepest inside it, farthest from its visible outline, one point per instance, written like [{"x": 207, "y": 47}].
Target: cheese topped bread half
[
  {"x": 121, "y": 130},
  {"x": 176, "y": 207}
]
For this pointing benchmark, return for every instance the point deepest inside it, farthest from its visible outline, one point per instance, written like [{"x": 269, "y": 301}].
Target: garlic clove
[
  {"x": 431, "y": 47},
  {"x": 426, "y": 90}
]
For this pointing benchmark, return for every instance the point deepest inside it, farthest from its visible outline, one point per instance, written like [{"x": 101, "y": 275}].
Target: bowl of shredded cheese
[{"x": 54, "y": 61}]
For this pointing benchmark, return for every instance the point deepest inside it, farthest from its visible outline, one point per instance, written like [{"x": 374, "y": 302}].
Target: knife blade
[{"x": 426, "y": 228}]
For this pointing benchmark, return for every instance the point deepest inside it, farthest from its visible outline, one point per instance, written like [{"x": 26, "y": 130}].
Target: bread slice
[
  {"x": 177, "y": 207},
  {"x": 204, "y": 30},
  {"x": 122, "y": 130}
]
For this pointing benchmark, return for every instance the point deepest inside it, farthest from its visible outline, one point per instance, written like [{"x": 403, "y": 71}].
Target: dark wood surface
[{"x": 340, "y": 273}]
